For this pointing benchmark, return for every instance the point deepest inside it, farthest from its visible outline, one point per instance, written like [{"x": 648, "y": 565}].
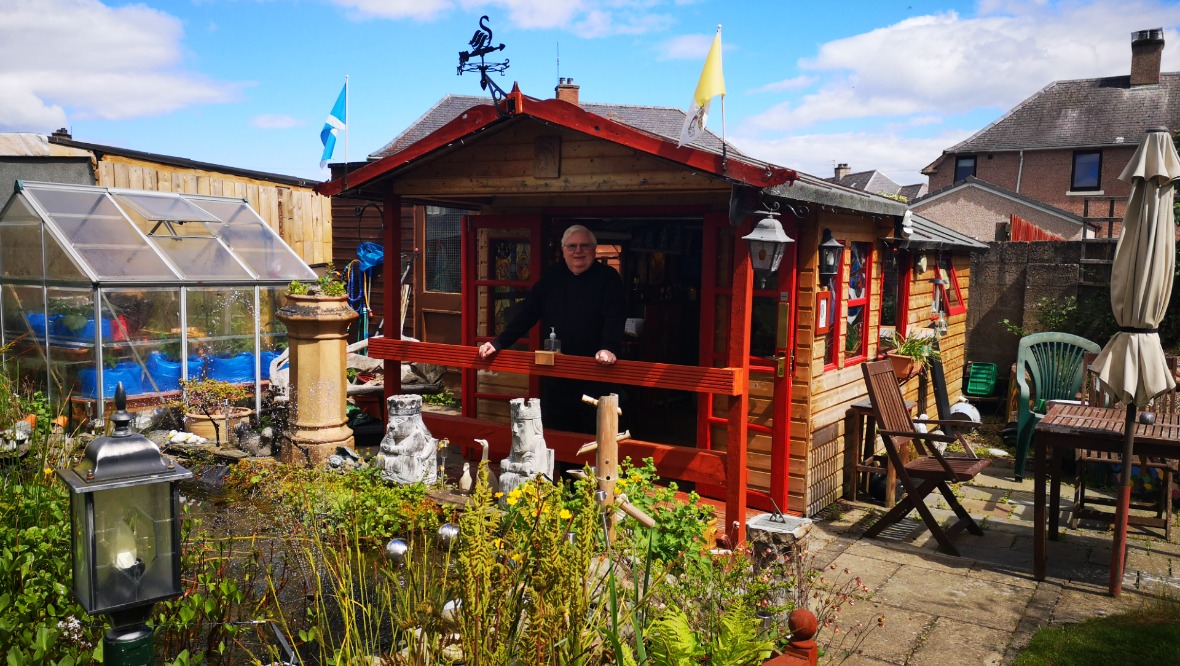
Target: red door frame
[
  {"x": 472, "y": 224},
  {"x": 783, "y": 291}
]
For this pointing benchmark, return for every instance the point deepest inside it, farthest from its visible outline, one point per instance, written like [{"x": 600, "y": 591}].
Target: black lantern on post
[
  {"x": 124, "y": 507},
  {"x": 830, "y": 251},
  {"x": 768, "y": 243}
]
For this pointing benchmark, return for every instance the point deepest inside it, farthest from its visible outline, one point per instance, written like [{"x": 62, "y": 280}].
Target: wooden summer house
[{"x": 735, "y": 384}]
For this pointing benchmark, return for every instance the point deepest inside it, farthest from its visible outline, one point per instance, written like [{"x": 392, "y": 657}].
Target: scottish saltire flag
[
  {"x": 335, "y": 124},
  {"x": 711, "y": 84}
]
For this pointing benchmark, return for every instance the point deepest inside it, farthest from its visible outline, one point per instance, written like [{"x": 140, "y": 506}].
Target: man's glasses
[{"x": 574, "y": 247}]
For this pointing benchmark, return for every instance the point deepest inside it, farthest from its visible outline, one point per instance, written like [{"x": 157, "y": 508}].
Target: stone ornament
[
  {"x": 529, "y": 456},
  {"x": 408, "y": 453}
]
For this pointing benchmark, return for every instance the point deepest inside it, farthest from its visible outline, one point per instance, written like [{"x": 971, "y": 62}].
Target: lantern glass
[
  {"x": 131, "y": 553},
  {"x": 829, "y": 255}
]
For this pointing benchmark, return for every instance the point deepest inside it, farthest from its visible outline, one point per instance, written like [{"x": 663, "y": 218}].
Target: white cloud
[
  {"x": 897, "y": 156},
  {"x": 274, "y": 121},
  {"x": 77, "y": 59},
  {"x": 687, "y": 47},
  {"x": 949, "y": 64},
  {"x": 794, "y": 83},
  {"x": 588, "y": 18}
]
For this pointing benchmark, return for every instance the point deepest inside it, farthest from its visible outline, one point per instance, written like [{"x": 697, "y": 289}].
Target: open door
[
  {"x": 501, "y": 258},
  {"x": 771, "y": 360}
]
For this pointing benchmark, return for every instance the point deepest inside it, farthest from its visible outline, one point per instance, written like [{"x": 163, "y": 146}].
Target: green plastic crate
[{"x": 981, "y": 380}]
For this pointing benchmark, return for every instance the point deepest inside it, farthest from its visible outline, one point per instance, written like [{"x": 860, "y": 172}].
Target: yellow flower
[
  {"x": 497, "y": 542},
  {"x": 565, "y": 514},
  {"x": 498, "y": 495},
  {"x": 516, "y": 557},
  {"x": 48, "y": 471},
  {"x": 512, "y": 499},
  {"x": 620, "y": 483}
]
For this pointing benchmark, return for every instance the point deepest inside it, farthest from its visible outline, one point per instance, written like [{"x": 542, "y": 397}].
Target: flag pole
[
  {"x": 346, "y": 123},
  {"x": 724, "y": 143}
]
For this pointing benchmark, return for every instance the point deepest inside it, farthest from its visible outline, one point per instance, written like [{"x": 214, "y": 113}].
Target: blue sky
[{"x": 879, "y": 84}]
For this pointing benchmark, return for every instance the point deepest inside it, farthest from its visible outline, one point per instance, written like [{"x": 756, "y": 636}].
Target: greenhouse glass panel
[
  {"x": 73, "y": 367},
  {"x": 146, "y": 344},
  {"x": 272, "y": 332},
  {"x": 202, "y": 258},
  {"x": 221, "y": 329},
  {"x": 254, "y": 242},
  {"x": 157, "y": 207},
  {"x": 24, "y": 314},
  {"x": 59, "y": 265},
  {"x": 20, "y": 243}
]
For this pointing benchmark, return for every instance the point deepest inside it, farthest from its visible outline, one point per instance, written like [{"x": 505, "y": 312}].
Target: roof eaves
[{"x": 811, "y": 189}]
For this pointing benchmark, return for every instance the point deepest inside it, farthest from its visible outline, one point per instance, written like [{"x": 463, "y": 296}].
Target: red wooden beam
[
  {"x": 391, "y": 217},
  {"x": 674, "y": 462},
  {"x": 573, "y": 117},
  {"x": 726, "y": 381}
]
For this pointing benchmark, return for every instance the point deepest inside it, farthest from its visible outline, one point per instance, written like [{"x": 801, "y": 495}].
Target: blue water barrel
[
  {"x": 166, "y": 373},
  {"x": 237, "y": 369},
  {"x": 37, "y": 323}
]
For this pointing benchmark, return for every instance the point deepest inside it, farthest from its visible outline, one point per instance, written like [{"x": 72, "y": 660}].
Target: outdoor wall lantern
[
  {"x": 768, "y": 243},
  {"x": 124, "y": 506},
  {"x": 829, "y": 256}
]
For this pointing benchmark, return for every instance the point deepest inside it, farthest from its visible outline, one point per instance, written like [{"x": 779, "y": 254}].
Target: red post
[
  {"x": 391, "y": 218},
  {"x": 738, "y": 356}
]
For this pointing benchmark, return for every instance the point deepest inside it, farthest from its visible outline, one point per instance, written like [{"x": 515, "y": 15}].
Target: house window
[
  {"x": 893, "y": 296},
  {"x": 1087, "y": 171},
  {"x": 964, "y": 167},
  {"x": 442, "y": 249}
]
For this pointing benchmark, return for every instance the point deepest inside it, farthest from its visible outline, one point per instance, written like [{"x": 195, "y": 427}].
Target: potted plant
[
  {"x": 911, "y": 353},
  {"x": 209, "y": 404}
]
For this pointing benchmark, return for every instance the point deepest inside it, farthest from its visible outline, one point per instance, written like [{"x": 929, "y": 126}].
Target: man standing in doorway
[{"x": 583, "y": 302}]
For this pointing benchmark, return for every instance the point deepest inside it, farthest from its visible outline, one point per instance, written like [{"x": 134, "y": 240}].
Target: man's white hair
[{"x": 575, "y": 228}]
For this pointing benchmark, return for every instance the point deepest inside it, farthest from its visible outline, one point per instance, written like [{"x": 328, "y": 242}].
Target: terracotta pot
[
  {"x": 904, "y": 367},
  {"x": 202, "y": 426}
]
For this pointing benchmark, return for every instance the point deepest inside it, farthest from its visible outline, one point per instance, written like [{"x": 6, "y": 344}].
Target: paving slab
[
  {"x": 892, "y": 643},
  {"x": 981, "y": 602},
  {"x": 963, "y": 642}
]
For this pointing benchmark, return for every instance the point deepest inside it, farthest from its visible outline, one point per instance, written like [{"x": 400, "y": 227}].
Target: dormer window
[
  {"x": 964, "y": 167},
  {"x": 1087, "y": 171}
]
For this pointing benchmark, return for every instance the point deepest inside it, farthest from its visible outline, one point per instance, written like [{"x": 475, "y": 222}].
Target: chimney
[
  {"x": 842, "y": 171},
  {"x": 62, "y": 133},
  {"x": 1147, "y": 48},
  {"x": 568, "y": 92}
]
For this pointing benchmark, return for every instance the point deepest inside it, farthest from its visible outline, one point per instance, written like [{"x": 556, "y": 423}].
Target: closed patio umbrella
[{"x": 1132, "y": 364}]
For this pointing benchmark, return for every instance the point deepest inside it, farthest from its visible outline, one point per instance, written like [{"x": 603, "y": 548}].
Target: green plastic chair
[{"x": 1048, "y": 367}]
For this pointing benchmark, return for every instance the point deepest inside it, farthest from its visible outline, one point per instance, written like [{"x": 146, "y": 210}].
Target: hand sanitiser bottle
[{"x": 552, "y": 344}]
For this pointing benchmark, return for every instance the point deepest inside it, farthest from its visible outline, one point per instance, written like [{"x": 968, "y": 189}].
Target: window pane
[
  {"x": 1086, "y": 168},
  {"x": 442, "y": 249},
  {"x": 964, "y": 167}
]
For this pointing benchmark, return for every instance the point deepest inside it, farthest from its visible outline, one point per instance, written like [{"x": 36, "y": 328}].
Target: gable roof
[
  {"x": 517, "y": 107},
  {"x": 929, "y": 235},
  {"x": 869, "y": 181},
  {"x": 662, "y": 121},
  {"x": 973, "y": 182},
  {"x": 911, "y": 192},
  {"x": 1080, "y": 114}
]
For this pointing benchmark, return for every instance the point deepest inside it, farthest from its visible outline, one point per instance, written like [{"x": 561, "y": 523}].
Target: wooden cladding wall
[
  {"x": 953, "y": 345},
  {"x": 301, "y": 217},
  {"x": 822, "y": 397},
  {"x": 507, "y": 164}
]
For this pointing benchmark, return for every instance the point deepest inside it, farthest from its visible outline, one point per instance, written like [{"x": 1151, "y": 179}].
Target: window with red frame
[
  {"x": 948, "y": 297},
  {"x": 856, "y": 304},
  {"x": 852, "y": 303}
]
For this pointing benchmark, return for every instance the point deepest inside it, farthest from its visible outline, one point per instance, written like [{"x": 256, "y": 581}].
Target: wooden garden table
[{"x": 1066, "y": 428}]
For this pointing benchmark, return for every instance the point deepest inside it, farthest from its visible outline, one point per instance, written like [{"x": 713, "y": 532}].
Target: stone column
[{"x": 317, "y": 327}]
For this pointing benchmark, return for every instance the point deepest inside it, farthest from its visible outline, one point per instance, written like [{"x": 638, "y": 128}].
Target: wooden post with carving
[{"x": 606, "y": 467}]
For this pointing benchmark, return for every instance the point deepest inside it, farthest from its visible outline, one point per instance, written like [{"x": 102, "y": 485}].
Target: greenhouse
[{"x": 100, "y": 286}]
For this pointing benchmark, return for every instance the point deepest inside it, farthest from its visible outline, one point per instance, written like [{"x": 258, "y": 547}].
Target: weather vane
[{"x": 481, "y": 45}]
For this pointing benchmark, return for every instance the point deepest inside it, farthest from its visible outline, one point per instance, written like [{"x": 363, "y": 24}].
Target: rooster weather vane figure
[{"x": 481, "y": 45}]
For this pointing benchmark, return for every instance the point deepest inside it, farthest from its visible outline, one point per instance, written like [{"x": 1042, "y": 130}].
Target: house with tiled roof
[
  {"x": 987, "y": 212},
  {"x": 1066, "y": 145},
  {"x": 876, "y": 182}
]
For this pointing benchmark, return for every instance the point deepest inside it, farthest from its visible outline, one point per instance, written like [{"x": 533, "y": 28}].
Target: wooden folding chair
[
  {"x": 1083, "y": 507},
  {"x": 929, "y": 471}
]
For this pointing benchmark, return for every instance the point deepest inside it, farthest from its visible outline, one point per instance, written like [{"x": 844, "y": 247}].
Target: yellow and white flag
[{"x": 712, "y": 84}]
